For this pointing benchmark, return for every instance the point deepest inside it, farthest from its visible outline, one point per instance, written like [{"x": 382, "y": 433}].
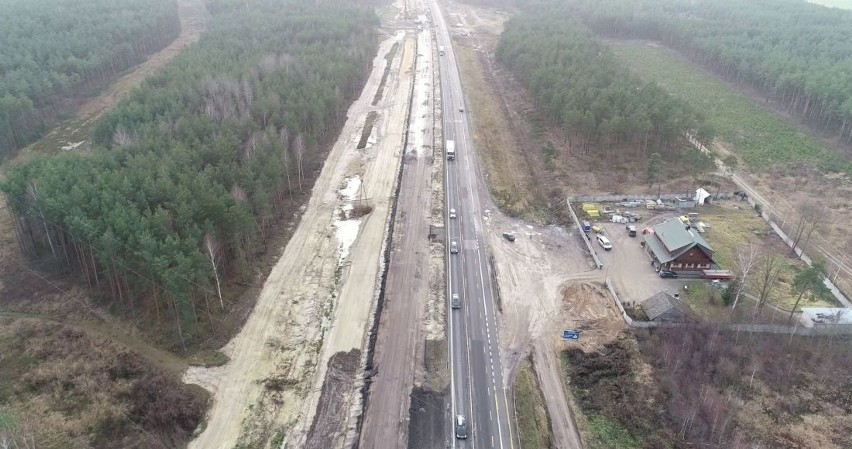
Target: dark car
[
  {"x": 509, "y": 236},
  {"x": 667, "y": 274},
  {"x": 461, "y": 427}
]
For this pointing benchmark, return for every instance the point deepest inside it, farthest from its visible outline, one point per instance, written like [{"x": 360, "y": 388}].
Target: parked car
[
  {"x": 664, "y": 273},
  {"x": 456, "y": 301},
  {"x": 604, "y": 242},
  {"x": 454, "y": 247},
  {"x": 509, "y": 236},
  {"x": 452, "y": 213},
  {"x": 631, "y": 230}
]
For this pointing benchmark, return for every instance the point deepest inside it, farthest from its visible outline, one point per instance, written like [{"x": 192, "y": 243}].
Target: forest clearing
[{"x": 772, "y": 149}]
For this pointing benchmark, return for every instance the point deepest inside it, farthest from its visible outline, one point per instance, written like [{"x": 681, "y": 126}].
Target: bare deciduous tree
[
  {"x": 767, "y": 276},
  {"x": 299, "y": 149},
  {"x": 122, "y": 138},
  {"x": 32, "y": 190},
  {"x": 213, "y": 254},
  {"x": 808, "y": 220},
  {"x": 747, "y": 257},
  {"x": 284, "y": 135}
]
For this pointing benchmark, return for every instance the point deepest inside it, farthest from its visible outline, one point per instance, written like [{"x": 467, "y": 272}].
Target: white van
[{"x": 604, "y": 242}]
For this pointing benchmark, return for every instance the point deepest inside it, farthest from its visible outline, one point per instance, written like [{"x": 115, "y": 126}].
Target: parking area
[{"x": 628, "y": 266}]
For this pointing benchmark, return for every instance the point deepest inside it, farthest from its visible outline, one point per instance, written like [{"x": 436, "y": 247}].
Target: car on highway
[
  {"x": 461, "y": 109},
  {"x": 664, "y": 273},
  {"x": 456, "y": 301},
  {"x": 454, "y": 247},
  {"x": 452, "y": 213},
  {"x": 461, "y": 427},
  {"x": 604, "y": 242}
]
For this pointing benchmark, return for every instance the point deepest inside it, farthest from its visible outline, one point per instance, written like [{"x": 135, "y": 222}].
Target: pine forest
[
  {"x": 56, "y": 52},
  {"x": 189, "y": 173},
  {"x": 793, "y": 52},
  {"x": 579, "y": 85}
]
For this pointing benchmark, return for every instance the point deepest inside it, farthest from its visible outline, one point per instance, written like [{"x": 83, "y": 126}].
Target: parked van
[
  {"x": 631, "y": 230},
  {"x": 604, "y": 242},
  {"x": 586, "y": 226}
]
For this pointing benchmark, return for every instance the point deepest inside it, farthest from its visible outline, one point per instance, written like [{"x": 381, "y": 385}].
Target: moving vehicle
[
  {"x": 441, "y": 50},
  {"x": 461, "y": 109},
  {"x": 454, "y": 247},
  {"x": 451, "y": 150},
  {"x": 666, "y": 273},
  {"x": 604, "y": 242},
  {"x": 456, "y": 301},
  {"x": 452, "y": 213},
  {"x": 461, "y": 427}
]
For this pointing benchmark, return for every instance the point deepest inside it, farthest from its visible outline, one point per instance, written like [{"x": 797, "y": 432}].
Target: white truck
[
  {"x": 451, "y": 150},
  {"x": 441, "y": 50}
]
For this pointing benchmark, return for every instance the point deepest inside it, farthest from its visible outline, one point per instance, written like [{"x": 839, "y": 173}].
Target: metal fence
[
  {"x": 840, "y": 329},
  {"x": 650, "y": 196}
]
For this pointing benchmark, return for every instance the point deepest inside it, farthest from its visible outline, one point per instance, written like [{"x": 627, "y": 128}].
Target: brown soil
[
  {"x": 332, "y": 410},
  {"x": 427, "y": 428}
]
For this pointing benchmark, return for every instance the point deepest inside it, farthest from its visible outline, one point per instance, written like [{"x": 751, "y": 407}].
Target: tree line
[
  {"x": 578, "y": 84},
  {"x": 190, "y": 172},
  {"x": 56, "y": 51},
  {"x": 796, "y": 53}
]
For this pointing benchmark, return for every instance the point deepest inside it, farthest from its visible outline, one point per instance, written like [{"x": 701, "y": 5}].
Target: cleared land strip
[
  {"x": 74, "y": 133},
  {"x": 303, "y": 312},
  {"x": 407, "y": 283}
]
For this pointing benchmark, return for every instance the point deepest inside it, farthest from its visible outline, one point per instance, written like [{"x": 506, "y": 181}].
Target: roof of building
[
  {"x": 663, "y": 302},
  {"x": 671, "y": 239}
]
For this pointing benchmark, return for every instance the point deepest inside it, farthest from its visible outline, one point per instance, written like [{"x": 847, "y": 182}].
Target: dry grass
[
  {"x": 62, "y": 387},
  {"x": 533, "y": 423},
  {"x": 509, "y": 177},
  {"x": 734, "y": 224}
]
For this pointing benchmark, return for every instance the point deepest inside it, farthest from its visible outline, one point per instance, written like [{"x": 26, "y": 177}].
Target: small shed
[
  {"x": 701, "y": 196},
  {"x": 665, "y": 308}
]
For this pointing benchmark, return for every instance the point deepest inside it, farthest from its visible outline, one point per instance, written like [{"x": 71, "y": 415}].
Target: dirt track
[
  {"x": 317, "y": 300},
  {"x": 408, "y": 277}
]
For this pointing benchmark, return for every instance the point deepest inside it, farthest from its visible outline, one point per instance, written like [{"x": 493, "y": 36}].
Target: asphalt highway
[{"x": 476, "y": 373}]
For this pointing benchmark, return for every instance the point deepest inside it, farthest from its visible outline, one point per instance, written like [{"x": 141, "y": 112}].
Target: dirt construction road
[
  {"x": 385, "y": 422},
  {"x": 317, "y": 300}
]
